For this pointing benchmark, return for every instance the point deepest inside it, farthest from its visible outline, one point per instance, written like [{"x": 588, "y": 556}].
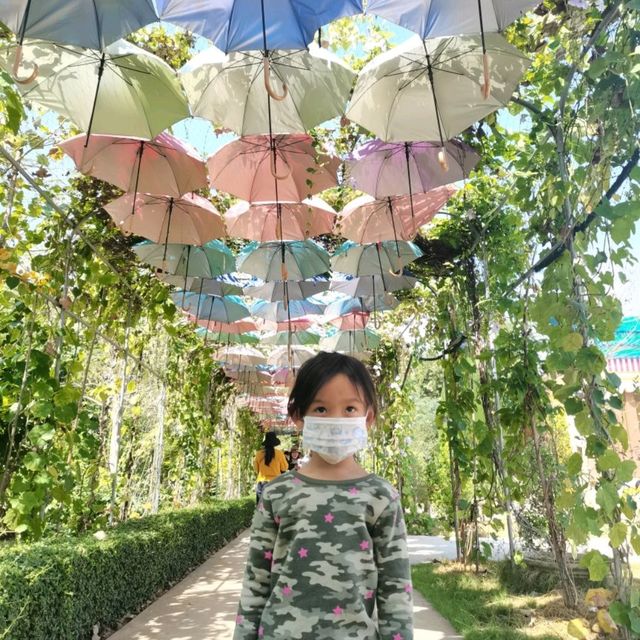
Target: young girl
[{"x": 328, "y": 543}]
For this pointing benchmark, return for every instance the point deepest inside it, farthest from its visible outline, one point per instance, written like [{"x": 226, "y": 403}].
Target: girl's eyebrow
[{"x": 316, "y": 401}]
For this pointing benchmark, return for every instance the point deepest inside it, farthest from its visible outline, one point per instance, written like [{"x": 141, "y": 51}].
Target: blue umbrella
[
  {"x": 245, "y": 25},
  {"x": 226, "y": 309},
  {"x": 279, "y": 312}
]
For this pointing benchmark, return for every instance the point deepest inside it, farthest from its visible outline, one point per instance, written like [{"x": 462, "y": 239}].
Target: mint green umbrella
[
  {"x": 292, "y": 338},
  {"x": 350, "y": 341},
  {"x": 227, "y": 338},
  {"x": 296, "y": 260},
  {"x": 122, "y": 90},
  {"x": 378, "y": 259}
]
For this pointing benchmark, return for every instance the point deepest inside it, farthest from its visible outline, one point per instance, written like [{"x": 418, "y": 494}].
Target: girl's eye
[
  {"x": 319, "y": 410},
  {"x": 351, "y": 409}
]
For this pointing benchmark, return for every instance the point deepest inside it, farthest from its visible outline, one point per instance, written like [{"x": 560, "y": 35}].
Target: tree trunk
[{"x": 158, "y": 453}]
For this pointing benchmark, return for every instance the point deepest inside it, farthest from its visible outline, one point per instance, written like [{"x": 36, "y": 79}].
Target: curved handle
[
  {"x": 267, "y": 82},
  {"x": 486, "y": 86},
  {"x": 16, "y": 67},
  {"x": 442, "y": 159},
  {"x": 274, "y": 172}
]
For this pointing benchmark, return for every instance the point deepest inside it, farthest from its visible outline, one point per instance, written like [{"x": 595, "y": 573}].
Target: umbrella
[
  {"x": 351, "y": 321},
  {"x": 93, "y": 25},
  {"x": 223, "y": 89},
  {"x": 380, "y": 302},
  {"x": 350, "y": 341},
  {"x": 374, "y": 259},
  {"x": 238, "y": 327},
  {"x": 291, "y": 357},
  {"x": 295, "y": 324},
  {"x": 164, "y": 165},
  {"x": 372, "y": 285},
  {"x": 284, "y": 260},
  {"x": 246, "y": 168},
  {"x": 240, "y": 355},
  {"x": 366, "y": 219},
  {"x": 212, "y": 259},
  {"x": 432, "y": 89},
  {"x": 206, "y": 286},
  {"x": 289, "y": 289},
  {"x": 280, "y": 220},
  {"x": 384, "y": 169},
  {"x": 294, "y": 338},
  {"x": 228, "y": 338},
  {"x": 241, "y": 25},
  {"x": 278, "y": 312},
  {"x": 187, "y": 220},
  {"x": 122, "y": 90},
  {"x": 213, "y": 309}
]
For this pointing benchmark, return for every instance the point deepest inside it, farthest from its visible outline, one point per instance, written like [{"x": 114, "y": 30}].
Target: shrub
[{"x": 58, "y": 589}]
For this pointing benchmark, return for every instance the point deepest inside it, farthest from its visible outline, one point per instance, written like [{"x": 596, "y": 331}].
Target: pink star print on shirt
[
  {"x": 268, "y": 555},
  {"x": 369, "y": 595},
  {"x": 364, "y": 545},
  {"x": 329, "y": 518},
  {"x": 338, "y": 610},
  {"x": 303, "y": 552},
  {"x": 239, "y": 619},
  {"x": 260, "y": 632},
  {"x": 286, "y": 590},
  {"x": 408, "y": 588},
  {"x": 397, "y": 637},
  {"x": 353, "y": 491}
]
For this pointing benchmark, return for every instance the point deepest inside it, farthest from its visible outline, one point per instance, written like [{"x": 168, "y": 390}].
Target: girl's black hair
[
  {"x": 317, "y": 371},
  {"x": 271, "y": 441}
]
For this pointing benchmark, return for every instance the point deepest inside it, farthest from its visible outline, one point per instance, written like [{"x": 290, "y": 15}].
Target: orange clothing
[{"x": 265, "y": 472}]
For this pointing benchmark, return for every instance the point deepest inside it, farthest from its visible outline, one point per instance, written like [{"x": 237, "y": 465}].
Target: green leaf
[
  {"x": 619, "y": 613},
  {"x": 634, "y": 619},
  {"x": 618, "y": 534},
  {"x": 597, "y": 565},
  {"x": 635, "y": 542},
  {"x": 574, "y": 464},
  {"x": 626, "y": 470},
  {"x": 608, "y": 460},
  {"x": 607, "y": 497},
  {"x": 571, "y": 342}
]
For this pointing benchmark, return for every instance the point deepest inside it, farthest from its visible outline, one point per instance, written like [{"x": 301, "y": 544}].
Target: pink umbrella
[
  {"x": 280, "y": 221},
  {"x": 272, "y": 168},
  {"x": 164, "y": 165},
  {"x": 367, "y": 220},
  {"x": 295, "y": 324},
  {"x": 351, "y": 321},
  {"x": 241, "y": 326},
  {"x": 188, "y": 220}
]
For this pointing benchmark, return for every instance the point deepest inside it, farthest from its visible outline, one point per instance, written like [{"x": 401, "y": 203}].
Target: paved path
[{"x": 203, "y": 606}]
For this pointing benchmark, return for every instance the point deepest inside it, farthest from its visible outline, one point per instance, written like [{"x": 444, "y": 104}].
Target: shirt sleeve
[
  {"x": 256, "y": 467},
  {"x": 394, "y": 595},
  {"x": 284, "y": 465},
  {"x": 256, "y": 585}
]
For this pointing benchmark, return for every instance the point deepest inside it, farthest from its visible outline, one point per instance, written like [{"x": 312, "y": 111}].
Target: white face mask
[{"x": 334, "y": 439}]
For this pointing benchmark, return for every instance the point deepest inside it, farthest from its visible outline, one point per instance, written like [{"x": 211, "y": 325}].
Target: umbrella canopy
[
  {"x": 302, "y": 338},
  {"x": 225, "y": 89},
  {"x": 281, "y": 220},
  {"x": 350, "y": 341},
  {"x": 384, "y": 169},
  {"x": 213, "y": 309},
  {"x": 246, "y": 168},
  {"x": 351, "y": 321},
  {"x": 366, "y": 219},
  {"x": 380, "y": 302},
  {"x": 297, "y": 260},
  {"x": 241, "y": 25},
  {"x": 227, "y": 338},
  {"x": 435, "y": 18},
  {"x": 213, "y": 259},
  {"x": 295, "y": 324},
  {"x": 122, "y": 90},
  {"x": 187, "y": 220},
  {"x": 239, "y": 355},
  {"x": 433, "y": 89},
  {"x": 236, "y": 328},
  {"x": 374, "y": 259},
  {"x": 372, "y": 285},
  {"x": 287, "y": 290},
  {"x": 293, "y": 357},
  {"x": 164, "y": 165},
  {"x": 93, "y": 25},
  {"x": 206, "y": 286},
  {"x": 278, "y": 312}
]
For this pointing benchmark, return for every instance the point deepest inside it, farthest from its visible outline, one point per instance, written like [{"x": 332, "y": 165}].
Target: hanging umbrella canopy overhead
[
  {"x": 210, "y": 308},
  {"x": 381, "y": 302},
  {"x": 239, "y": 355},
  {"x": 164, "y": 165},
  {"x": 236, "y": 328},
  {"x": 237, "y": 25},
  {"x": 376, "y": 259},
  {"x": 436, "y": 18},
  {"x": 351, "y": 321},
  {"x": 366, "y": 219},
  {"x": 277, "y": 312},
  {"x": 206, "y": 286},
  {"x": 229, "y": 89},
  {"x": 384, "y": 169},
  {"x": 372, "y": 285},
  {"x": 293, "y": 357},
  {"x": 351, "y": 341},
  {"x": 302, "y": 338},
  {"x": 213, "y": 259},
  {"x": 302, "y": 259},
  {"x": 246, "y": 168},
  {"x": 227, "y": 338},
  {"x": 433, "y": 89},
  {"x": 93, "y": 25},
  {"x": 280, "y": 221},
  {"x": 123, "y": 90},
  {"x": 290, "y": 289},
  {"x": 187, "y": 220}
]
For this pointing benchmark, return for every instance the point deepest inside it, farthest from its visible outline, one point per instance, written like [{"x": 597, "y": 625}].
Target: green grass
[{"x": 479, "y": 607}]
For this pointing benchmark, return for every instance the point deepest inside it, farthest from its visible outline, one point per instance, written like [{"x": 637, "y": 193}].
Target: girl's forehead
[{"x": 339, "y": 388}]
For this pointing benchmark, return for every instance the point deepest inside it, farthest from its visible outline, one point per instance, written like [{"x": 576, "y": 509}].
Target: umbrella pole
[
  {"x": 406, "y": 155},
  {"x": 186, "y": 274},
  {"x": 395, "y": 235},
  {"x": 442, "y": 154},
  {"x": 135, "y": 189},
  {"x": 206, "y": 335},
  {"x": 373, "y": 286},
  {"x": 267, "y": 64},
  {"x": 486, "y": 87},
  {"x": 166, "y": 238},
  {"x": 103, "y": 60},
  {"x": 195, "y": 321}
]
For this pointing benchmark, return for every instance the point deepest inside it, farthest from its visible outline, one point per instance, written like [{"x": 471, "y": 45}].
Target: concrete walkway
[{"x": 203, "y": 606}]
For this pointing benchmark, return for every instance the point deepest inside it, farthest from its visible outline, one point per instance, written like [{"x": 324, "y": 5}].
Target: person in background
[
  {"x": 268, "y": 463},
  {"x": 294, "y": 457}
]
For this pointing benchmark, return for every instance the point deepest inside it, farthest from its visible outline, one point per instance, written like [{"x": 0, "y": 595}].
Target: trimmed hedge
[{"x": 58, "y": 589}]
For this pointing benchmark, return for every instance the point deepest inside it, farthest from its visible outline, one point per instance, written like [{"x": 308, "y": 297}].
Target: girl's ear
[
  {"x": 298, "y": 421},
  {"x": 371, "y": 417}
]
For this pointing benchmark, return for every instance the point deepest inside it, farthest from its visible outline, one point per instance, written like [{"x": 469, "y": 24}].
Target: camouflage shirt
[{"x": 322, "y": 553}]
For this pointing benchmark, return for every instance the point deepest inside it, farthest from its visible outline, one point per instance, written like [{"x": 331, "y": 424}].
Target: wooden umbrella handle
[
  {"x": 442, "y": 159},
  {"x": 267, "y": 82},
  {"x": 486, "y": 86},
  {"x": 16, "y": 68},
  {"x": 274, "y": 171}
]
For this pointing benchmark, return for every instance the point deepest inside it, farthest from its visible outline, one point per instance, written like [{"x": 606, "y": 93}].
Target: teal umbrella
[
  {"x": 212, "y": 259},
  {"x": 227, "y": 309},
  {"x": 281, "y": 312},
  {"x": 284, "y": 338},
  {"x": 203, "y": 286},
  {"x": 227, "y": 338},
  {"x": 296, "y": 260},
  {"x": 351, "y": 341},
  {"x": 376, "y": 259}
]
